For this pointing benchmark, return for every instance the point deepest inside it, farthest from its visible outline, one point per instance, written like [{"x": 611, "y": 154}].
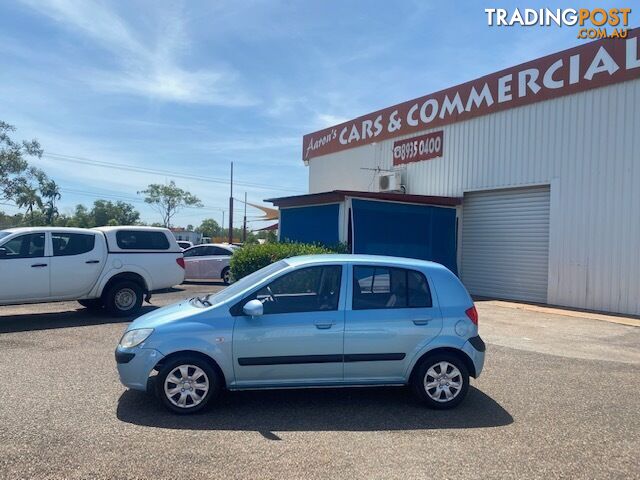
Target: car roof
[
  {"x": 361, "y": 259},
  {"x": 131, "y": 227},
  {"x": 47, "y": 229},
  {"x": 223, "y": 245}
]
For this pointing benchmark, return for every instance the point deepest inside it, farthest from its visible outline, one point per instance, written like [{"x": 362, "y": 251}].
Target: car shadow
[
  {"x": 81, "y": 317},
  {"x": 337, "y": 409}
]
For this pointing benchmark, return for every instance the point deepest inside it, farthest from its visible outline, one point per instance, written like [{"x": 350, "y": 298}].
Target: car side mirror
[
  {"x": 253, "y": 308},
  {"x": 3, "y": 252}
]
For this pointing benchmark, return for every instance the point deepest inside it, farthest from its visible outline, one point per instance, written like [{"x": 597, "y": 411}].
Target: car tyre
[
  {"x": 124, "y": 298},
  {"x": 187, "y": 384},
  {"x": 92, "y": 303},
  {"x": 441, "y": 381},
  {"x": 226, "y": 276}
]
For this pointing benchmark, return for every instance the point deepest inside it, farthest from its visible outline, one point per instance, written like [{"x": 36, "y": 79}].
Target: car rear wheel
[
  {"x": 226, "y": 276},
  {"x": 441, "y": 381},
  {"x": 92, "y": 303},
  {"x": 187, "y": 384},
  {"x": 124, "y": 298}
]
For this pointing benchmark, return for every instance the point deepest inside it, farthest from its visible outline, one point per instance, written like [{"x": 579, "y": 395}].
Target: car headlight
[{"x": 133, "y": 338}]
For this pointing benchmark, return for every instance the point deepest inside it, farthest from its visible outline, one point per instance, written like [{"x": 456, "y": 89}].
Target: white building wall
[{"x": 585, "y": 145}]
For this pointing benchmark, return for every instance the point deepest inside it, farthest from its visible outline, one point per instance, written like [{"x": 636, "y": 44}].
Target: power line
[{"x": 134, "y": 168}]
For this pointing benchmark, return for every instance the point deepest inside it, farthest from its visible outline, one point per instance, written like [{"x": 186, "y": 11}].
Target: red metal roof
[{"x": 336, "y": 196}]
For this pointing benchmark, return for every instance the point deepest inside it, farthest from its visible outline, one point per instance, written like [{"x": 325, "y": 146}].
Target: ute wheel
[
  {"x": 226, "y": 276},
  {"x": 124, "y": 298},
  {"x": 92, "y": 303},
  {"x": 187, "y": 384},
  {"x": 441, "y": 381}
]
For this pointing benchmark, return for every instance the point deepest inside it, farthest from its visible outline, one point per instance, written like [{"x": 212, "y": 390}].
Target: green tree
[
  {"x": 105, "y": 212},
  {"x": 50, "y": 192},
  {"x": 169, "y": 199},
  {"x": 209, "y": 228},
  {"x": 27, "y": 197},
  {"x": 15, "y": 173}
]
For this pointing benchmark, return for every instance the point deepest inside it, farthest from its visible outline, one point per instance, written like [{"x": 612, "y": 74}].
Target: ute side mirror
[{"x": 253, "y": 308}]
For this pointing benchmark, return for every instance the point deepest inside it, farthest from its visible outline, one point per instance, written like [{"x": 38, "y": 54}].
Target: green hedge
[{"x": 250, "y": 258}]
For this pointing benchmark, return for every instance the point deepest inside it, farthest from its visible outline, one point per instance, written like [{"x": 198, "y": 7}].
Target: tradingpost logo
[{"x": 594, "y": 23}]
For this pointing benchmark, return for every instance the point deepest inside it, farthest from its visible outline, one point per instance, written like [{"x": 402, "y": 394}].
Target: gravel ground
[{"x": 558, "y": 399}]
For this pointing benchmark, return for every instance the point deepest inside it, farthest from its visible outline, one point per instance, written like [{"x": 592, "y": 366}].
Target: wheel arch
[
  {"x": 448, "y": 350},
  {"x": 125, "y": 276},
  {"x": 193, "y": 353}
]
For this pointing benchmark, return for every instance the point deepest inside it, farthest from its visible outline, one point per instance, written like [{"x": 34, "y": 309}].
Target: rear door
[
  {"x": 76, "y": 263},
  {"x": 392, "y": 314},
  {"x": 298, "y": 340},
  {"x": 192, "y": 258},
  {"x": 214, "y": 261},
  {"x": 24, "y": 268}
]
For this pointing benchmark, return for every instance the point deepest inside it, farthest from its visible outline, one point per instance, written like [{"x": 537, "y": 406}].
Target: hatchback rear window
[
  {"x": 386, "y": 287},
  {"x": 142, "y": 240}
]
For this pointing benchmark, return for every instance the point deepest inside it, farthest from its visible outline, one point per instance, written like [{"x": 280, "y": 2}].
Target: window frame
[
  {"x": 53, "y": 252},
  {"x": 406, "y": 286},
  {"x": 21, "y": 235},
  {"x": 120, "y": 233},
  {"x": 236, "y": 309}
]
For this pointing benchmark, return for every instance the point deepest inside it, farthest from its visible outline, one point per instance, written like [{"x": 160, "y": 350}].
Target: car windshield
[
  {"x": 246, "y": 282},
  {"x": 4, "y": 234}
]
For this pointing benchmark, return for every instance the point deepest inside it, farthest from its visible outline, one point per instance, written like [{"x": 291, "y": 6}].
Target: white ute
[{"x": 112, "y": 267}]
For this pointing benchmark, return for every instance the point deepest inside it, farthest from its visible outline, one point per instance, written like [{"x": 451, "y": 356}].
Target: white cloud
[{"x": 149, "y": 67}]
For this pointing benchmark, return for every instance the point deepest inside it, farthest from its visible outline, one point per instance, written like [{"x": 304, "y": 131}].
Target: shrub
[{"x": 250, "y": 258}]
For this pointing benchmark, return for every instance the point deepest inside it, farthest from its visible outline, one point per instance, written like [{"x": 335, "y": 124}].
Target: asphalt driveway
[{"x": 558, "y": 398}]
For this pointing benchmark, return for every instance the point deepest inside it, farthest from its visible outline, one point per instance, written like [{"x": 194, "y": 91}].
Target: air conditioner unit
[{"x": 390, "y": 182}]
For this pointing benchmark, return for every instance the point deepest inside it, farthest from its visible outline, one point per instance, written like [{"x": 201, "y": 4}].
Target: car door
[
  {"x": 217, "y": 258},
  {"x": 392, "y": 314},
  {"x": 208, "y": 263},
  {"x": 25, "y": 268},
  {"x": 192, "y": 257},
  {"x": 76, "y": 262},
  {"x": 298, "y": 339}
]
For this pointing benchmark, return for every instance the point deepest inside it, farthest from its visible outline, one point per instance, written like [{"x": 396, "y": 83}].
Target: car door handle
[
  {"x": 421, "y": 321},
  {"x": 92, "y": 261},
  {"x": 39, "y": 265},
  {"x": 324, "y": 326}
]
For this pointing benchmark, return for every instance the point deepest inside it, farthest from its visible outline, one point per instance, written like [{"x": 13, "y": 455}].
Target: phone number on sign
[{"x": 415, "y": 149}]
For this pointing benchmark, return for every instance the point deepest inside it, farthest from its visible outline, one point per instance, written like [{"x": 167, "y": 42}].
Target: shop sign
[
  {"x": 591, "y": 65},
  {"x": 415, "y": 149}
]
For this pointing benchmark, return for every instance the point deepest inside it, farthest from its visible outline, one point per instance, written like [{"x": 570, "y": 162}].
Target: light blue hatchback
[{"x": 311, "y": 321}]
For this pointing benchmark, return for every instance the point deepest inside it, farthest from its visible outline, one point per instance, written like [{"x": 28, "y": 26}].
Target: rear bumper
[
  {"x": 475, "y": 349},
  {"x": 135, "y": 366}
]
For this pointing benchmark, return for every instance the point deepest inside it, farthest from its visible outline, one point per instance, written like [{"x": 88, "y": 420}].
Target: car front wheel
[
  {"x": 187, "y": 384},
  {"x": 441, "y": 381}
]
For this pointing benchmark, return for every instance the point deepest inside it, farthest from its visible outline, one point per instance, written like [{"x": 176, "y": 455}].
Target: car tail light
[
  {"x": 180, "y": 261},
  {"x": 472, "y": 313}
]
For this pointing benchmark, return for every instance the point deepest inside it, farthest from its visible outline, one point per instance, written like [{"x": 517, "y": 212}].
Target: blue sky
[{"x": 190, "y": 86}]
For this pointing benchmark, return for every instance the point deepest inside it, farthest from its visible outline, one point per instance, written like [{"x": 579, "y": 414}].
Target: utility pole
[
  {"x": 244, "y": 223},
  {"x": 230, "y": 240},
  {"x": 222, "y": 224}
]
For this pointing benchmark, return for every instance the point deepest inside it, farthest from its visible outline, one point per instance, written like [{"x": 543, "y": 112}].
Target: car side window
[
  {"x": 387, "y": 287},
  {"x": 25, "y": 246},
  {"x": 142, "y": 240},
  {"x": 193, "y": 252},
  {"x": 220, "y": 251},
  {"x": 311, "y": 289},
  {"x": 65, "y": 244}
]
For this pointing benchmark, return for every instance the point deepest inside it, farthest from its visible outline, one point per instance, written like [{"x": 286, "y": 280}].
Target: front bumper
[
  {"x": 475, "y": 348},
  {"x": 135, "y": 366}
]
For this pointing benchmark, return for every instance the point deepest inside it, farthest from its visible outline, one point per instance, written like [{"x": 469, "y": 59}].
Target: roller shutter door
[{"x": 505, "y": 243}]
